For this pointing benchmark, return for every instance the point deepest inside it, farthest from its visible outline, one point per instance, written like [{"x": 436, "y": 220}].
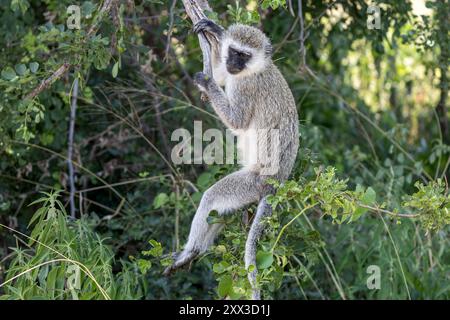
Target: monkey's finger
[
  {"x": 201, "y": 25},
  {"x": 198, "y": 76},
  {"x": 200, "y": 79}
]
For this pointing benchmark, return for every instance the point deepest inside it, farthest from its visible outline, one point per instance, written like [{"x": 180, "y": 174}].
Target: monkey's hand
[
  {"x": 202, "y": 81},
  {"x": 181, "y": 260},
  {"x": 206, "y": 25}
]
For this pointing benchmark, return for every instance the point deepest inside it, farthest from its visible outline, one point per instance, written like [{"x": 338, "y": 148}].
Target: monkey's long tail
[{"x": 256, "y": 230}]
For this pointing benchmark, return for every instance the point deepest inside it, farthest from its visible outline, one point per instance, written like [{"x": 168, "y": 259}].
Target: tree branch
[
  {"x": 47, "y": 82},
  {"x": 107, "y": 4},
  {"x": 195, "y": 10}
]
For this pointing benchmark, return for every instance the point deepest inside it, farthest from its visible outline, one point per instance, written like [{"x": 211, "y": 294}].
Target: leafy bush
[{"x": 66, "y": 260}]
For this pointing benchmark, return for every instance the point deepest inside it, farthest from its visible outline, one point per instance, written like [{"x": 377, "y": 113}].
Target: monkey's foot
[{"x": 181, "y": 260}]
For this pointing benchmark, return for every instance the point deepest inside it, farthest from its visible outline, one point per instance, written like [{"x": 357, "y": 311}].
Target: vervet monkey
[{"x": 255, "y": 98}]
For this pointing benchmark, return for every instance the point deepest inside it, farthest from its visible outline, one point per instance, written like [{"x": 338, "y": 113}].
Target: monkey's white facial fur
[
  {"x": 245, "y": 50},
  {"x": 241, "y": 60}
]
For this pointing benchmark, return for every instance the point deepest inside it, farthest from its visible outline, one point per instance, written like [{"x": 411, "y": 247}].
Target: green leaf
[
  {"x": 204, "y": 180},
  {"x": 156, "y": 251},
  {"x": 264, "y": 259},
  {"x": 369, "y": 197},
  {"x": 225, "y": 286},
  {"x": 87, "y": 9},
  {"x": 101, "y": 56},
  {"x": 21, "y": 5},
  {"x": 358, "y": 213},
  {"x": 34, "y": 67},
  {"x": 51, "y": 281},
  {"x": 160, "y": 200},
  {"x": 165, "y": 262},
  {"x": 221, "y": 267},
  {"x": 46, "y": 138},
  {"x": 21, "y": 69},
  {"x": 144, "y": 265},
  {"x": 115, "y": 69},
  {"x": 8, "y": 73}
]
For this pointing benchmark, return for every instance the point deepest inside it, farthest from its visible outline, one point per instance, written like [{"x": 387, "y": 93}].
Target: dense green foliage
[{"x": 369, "y": 187}]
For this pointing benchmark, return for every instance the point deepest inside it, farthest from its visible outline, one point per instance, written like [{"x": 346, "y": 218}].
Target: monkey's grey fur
[{"x": 256, "y": 97}]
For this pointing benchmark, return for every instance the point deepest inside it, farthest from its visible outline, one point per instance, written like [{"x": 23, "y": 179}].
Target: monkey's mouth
[{"x": 234, "y": 69}]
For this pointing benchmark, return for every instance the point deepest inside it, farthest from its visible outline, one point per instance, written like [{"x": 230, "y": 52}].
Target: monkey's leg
[
  {"x": 256, "y": 230},
  {"x": 233, "y": 192}
]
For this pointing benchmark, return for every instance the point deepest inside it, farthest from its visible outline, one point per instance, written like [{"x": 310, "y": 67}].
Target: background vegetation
[{"x": 369, "y": 188}]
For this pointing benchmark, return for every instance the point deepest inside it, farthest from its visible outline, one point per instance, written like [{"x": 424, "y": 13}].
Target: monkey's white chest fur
[
  {"x": 247, "y": 139},
  {"x": 247, "y": 145}
]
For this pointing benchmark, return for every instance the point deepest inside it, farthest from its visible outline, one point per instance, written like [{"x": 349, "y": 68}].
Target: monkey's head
[{"x": 246, "y": 50}]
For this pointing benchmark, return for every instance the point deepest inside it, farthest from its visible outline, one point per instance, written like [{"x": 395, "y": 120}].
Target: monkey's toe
[{"x": 183, "y": 259}]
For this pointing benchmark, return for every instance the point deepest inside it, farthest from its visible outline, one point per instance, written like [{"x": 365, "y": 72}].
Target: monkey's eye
[
  {"x": 244, "y": 54},
  {"x": 237, "y": 53},
  {"x": 234, "y": 52}
]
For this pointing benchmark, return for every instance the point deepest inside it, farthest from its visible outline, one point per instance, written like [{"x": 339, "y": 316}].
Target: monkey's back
[{"x": 273, "y": 107}]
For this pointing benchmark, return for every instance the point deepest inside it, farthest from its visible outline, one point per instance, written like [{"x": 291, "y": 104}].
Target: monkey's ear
[{"x": 268, "y": 50}]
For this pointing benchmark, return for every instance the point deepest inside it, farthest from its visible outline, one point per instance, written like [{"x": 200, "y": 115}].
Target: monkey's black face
[{"x": 237, "y": 60}]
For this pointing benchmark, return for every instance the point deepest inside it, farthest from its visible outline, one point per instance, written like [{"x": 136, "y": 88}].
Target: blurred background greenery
[{"x": 372, "y": 104}]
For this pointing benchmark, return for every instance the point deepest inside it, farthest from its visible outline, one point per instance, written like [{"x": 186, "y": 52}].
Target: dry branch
[{"x": 47, "y": 82}]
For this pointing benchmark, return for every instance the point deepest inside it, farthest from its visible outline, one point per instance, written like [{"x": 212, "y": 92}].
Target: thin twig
[
  {"x": 73, "y": 112},
  {"x": 170, "y": 31},
  {"x": 302, "y": 37},
  {"x": 379, "y": 210},
  {"x": 162, "y": 132},
  {"x": 290, "y": 8},
  {"x": 302, "y": 34}
]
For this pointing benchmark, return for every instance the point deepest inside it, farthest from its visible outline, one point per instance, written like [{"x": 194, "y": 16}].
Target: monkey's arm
[{"x": 234, "y": 115}]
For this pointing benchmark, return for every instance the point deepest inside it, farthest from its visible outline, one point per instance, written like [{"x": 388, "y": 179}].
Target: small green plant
[
  {"x": 274, "y": 4},
  {"x": 65, "y": 259},
  {"x": 241, "y": 15},
  {"x": 433, "y": 203}
]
